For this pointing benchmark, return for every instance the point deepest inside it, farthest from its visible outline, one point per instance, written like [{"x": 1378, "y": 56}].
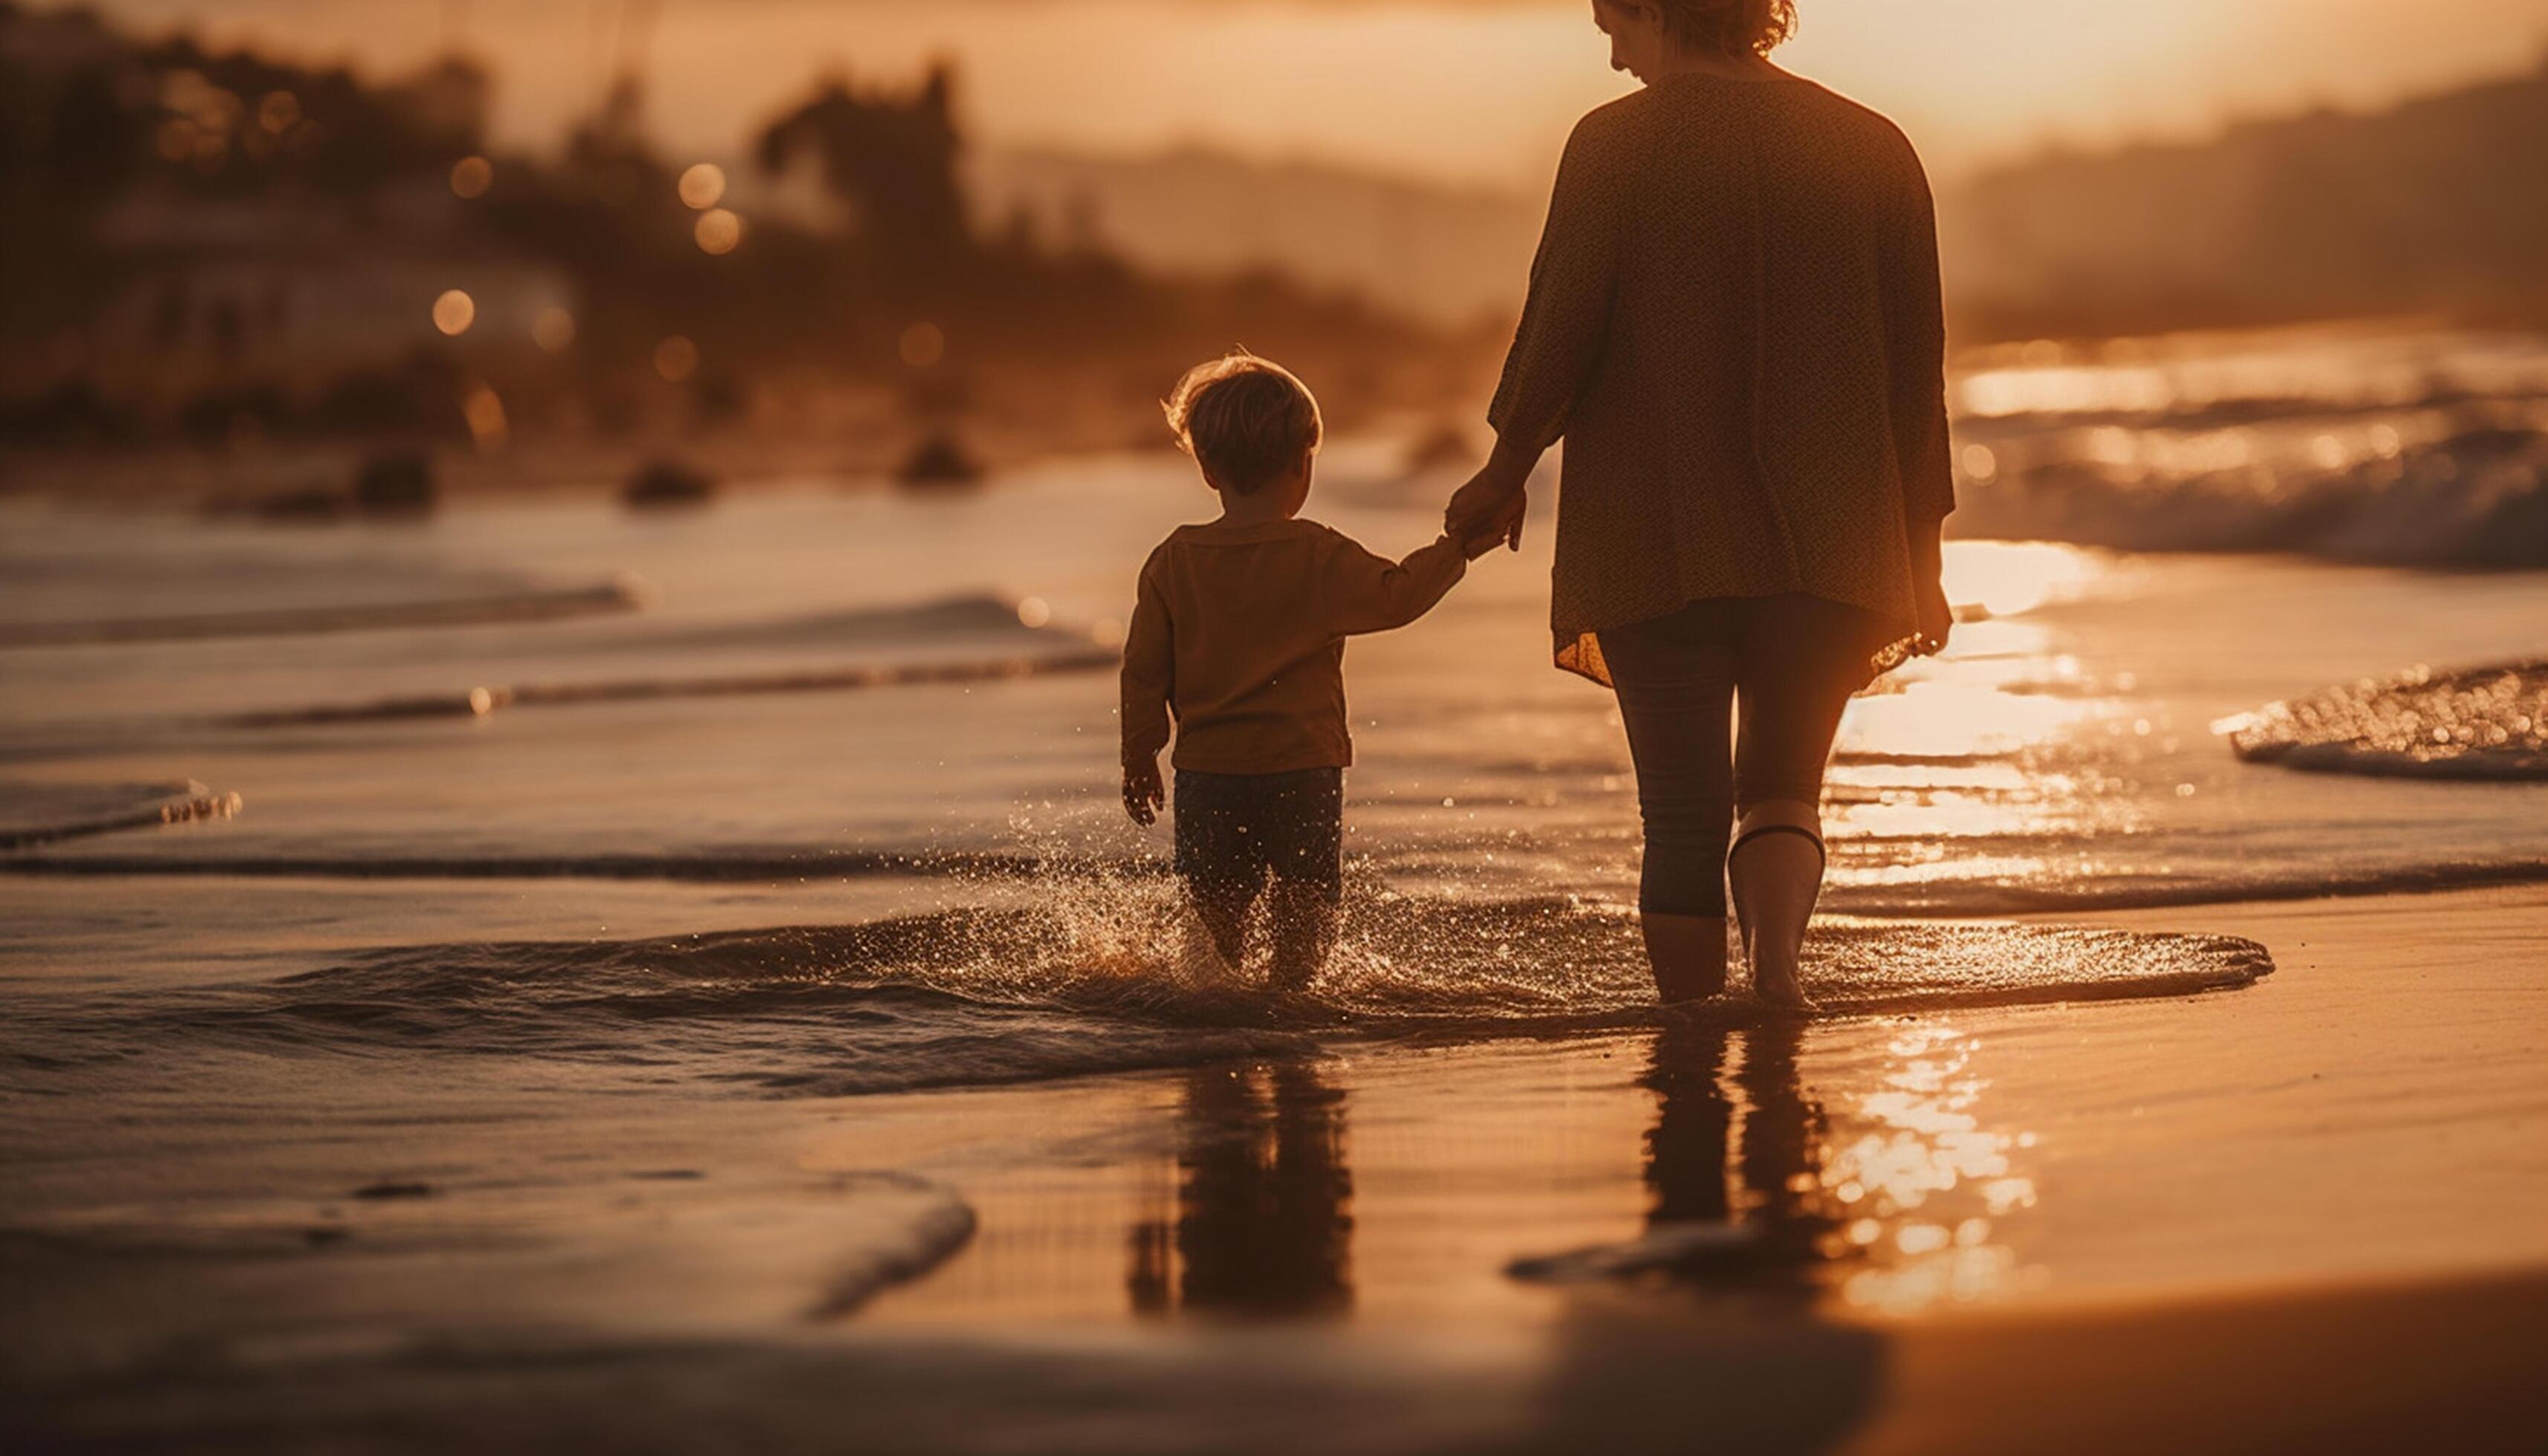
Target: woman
[{"x": 1734, "y": 324}]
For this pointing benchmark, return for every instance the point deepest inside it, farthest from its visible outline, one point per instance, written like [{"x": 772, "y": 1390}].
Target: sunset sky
[{"x": 1470, "y": 90}]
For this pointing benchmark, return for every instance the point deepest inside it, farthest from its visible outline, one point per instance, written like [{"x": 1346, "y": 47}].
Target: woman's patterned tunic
[{"x": 1734, "y": 324}]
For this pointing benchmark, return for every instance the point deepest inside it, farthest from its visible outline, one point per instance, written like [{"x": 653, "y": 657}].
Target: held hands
[
  {"x": 1144, "y": 792},
  {"x": 1473, "y": 547},
  {"x": 1491, "y": 507}
]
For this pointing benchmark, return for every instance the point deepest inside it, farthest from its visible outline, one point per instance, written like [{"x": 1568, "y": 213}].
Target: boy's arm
[
  {"x": 1150, "y": 684},
  {"x": 1372, "y": 593}
]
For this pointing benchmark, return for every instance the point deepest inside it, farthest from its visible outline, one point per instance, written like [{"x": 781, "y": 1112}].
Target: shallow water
[
  {"x": 2062, "y": 752},
  {"x": 2402, "y": 446},
  {"x": 822, "y": 803},
  {"x": 1090, "y": 976}
]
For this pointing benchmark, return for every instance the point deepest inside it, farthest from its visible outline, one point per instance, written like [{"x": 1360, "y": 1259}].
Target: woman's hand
[
  {"x": 1482, "y": 527},
  {"x": 1929, "y": 590},
  {"x": 1936, "y": 618},
  {"x": 1494, "y": 501}
]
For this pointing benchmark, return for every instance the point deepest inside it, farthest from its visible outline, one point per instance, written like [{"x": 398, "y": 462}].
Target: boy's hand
[
  {"x": 1476, "y": 546},
  {"x": 1143, "y": 793}
]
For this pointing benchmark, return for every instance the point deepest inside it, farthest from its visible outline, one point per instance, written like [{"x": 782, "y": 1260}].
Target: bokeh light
[
  {"x": 484, "y": 411},
  {"x": 702, "y": 185},
  {"x": 471, "y": 176},
  {"x": 677, "y": 358},
  {"x": 554, "y": 329},
  {"x": 923, "y": 345},
  {"x": 718, "y": 231},
  {"x": 454, "y": 312}
]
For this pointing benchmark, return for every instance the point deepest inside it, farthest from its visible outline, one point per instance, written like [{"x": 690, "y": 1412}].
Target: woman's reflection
[
  {"x": 1262, "y": 1222},
  {"x": 1756, "y": 1179}
]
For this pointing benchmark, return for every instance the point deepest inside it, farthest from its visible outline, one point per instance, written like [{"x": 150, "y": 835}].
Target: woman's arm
[
  {"x": 1915, "y": 325},
  {"x": 1915, "y": 328},
  {"x": 1559, "y": 342}
]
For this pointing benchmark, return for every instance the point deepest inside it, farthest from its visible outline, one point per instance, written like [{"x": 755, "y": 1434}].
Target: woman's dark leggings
[{"x": 1790, "y": 664}]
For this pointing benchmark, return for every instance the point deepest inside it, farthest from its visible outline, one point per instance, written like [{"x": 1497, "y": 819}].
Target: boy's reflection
[
  {"x": 1263, "y": 1222},
  {"x": 1692, "y": 1150}
]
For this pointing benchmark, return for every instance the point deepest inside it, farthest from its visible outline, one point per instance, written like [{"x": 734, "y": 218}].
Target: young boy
[{"x": 1239, "y": 631}]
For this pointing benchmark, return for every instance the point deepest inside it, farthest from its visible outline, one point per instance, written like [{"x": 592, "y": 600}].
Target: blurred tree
[{"x": 894, "y": 160}]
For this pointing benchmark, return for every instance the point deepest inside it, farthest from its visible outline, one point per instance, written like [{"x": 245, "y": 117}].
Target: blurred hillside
[
  {"x": 2437, "y": 205},
  {"x": 1443, "y": 254}
]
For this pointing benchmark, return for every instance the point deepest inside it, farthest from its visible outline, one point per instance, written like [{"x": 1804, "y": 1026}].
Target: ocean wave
[
  {"x": 2244, "y": 410},
  {"x": 2488, "y": 724},
  {"x": 1848, "y": 892},
  {"x": 478, "y": 701},
  {"x": 506, "y": 609},
  {"x": 961, "y": 639},
  {"x": 32, "y": 814},
  {"x": 1094, "y": 977},
  {"x": 933, "y": 1223},
  {"x": 2109, "y": 889},
  {"x": 2475, "y": 497},
  {"x": 707, "y": 867}
]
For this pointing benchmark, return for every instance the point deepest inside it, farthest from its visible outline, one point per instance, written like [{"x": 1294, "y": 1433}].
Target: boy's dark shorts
[{"x": 1234, "y": 829}]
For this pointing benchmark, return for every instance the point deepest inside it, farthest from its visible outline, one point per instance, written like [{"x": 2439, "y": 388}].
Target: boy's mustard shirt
[{"x": 1239, "y": 631}]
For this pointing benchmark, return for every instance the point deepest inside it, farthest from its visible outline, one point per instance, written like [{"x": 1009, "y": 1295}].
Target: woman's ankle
[{"x": 1686, "y": 954}]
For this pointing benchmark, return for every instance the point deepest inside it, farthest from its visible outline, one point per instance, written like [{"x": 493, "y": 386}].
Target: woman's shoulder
[
  {"x": 1607, "y": 125},
  {"x": 1635, "y": 117},
  {"x": 1863, "y": 123}
]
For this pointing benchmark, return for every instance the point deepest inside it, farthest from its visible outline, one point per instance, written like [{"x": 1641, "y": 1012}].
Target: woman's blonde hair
[{"x": 1735, "y": 26}]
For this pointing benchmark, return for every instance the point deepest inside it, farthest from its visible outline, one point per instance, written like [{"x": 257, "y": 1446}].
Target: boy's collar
[{"x": 1283, "y": 526}]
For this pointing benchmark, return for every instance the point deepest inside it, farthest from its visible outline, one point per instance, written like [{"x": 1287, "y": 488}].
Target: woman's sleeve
[
  {"x": 1568, "y": 317},
  {"x": 1915, "y": 325}
]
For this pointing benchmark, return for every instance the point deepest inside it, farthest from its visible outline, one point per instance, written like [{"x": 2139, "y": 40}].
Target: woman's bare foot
[
  {"x": 1777, "y": 988},
  {"x": 1776, "y": 873}
]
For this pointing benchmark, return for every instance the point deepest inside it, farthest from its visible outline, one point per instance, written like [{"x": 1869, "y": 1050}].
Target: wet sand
[{"x": 2299, "y": 1214}]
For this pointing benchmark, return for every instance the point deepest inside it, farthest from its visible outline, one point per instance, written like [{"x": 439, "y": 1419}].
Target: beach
[
  {"x": 545, "y": 970},
  {"x": 2297, "y": 1207}
]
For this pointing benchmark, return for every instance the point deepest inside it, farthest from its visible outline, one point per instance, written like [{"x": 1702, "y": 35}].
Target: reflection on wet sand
[
  {"x": 1855, "y": 1168},
  {"x": 1737, "y": 1193},
  {"x": 1925, "y": 1184},
  {"x": 1751, "y": 1190},
  {"x": 1264, "y": 1221}
]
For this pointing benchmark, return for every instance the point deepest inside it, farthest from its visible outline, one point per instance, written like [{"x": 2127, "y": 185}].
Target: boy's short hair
[{"x": 1244, "y": 420}]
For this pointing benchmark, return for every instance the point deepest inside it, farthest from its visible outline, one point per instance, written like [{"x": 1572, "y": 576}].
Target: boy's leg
[
  {"x": 1304, "y": 829},
  {"x": 1305, "y": 932},
  {"x": 1221, "y": 907},
  {"x": 1221, "y": 862}
]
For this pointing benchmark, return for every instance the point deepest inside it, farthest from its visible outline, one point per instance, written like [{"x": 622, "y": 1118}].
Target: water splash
[{"x": 1100, "y": 974}]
